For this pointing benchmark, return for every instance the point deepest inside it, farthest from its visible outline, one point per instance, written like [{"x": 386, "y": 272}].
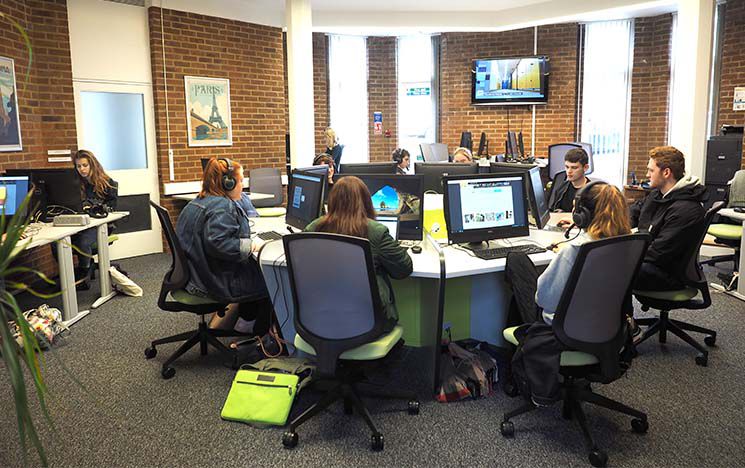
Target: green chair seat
[
  {"x": 367, "y": 352},
  {"x": 271, "y": 211},
  {"x": 568, "y": 358},
  {"x": 180, "y": 295},
  {"x": 726, "y": 231},
  {"x": 679, "y": 295}
]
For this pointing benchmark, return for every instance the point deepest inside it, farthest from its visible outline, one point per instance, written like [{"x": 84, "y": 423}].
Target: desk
[
  {"x": 740, "y": 291},
  {"x": 254, "y": 196},
  {"x": 447, "y": 289},
  {"x": 62, "y": 236}
]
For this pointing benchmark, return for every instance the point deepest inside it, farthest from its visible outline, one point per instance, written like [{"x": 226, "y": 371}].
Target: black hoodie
[{"x": 675, "y": 222}]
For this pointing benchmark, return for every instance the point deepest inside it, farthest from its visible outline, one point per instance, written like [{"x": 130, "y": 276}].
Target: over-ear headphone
[
  {"x": 227, "y": 179},
  {"x": 584, "y": 206},
  {"x": 398, "y": 155}
]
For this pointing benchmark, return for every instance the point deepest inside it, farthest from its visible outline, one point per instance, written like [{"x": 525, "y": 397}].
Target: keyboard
[
  {"x": 501, "y": 252},
  {"x": 269, "y": 235}
]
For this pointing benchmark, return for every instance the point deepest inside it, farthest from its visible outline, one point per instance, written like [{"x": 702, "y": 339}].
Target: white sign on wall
[{"x": 739, "y": 104}]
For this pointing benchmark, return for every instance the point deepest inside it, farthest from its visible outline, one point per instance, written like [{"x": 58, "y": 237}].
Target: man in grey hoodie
[{"x": 673, "y": 214}]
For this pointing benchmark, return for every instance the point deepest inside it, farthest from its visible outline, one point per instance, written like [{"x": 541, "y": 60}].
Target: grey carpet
[{"x": 126, "y": 415}]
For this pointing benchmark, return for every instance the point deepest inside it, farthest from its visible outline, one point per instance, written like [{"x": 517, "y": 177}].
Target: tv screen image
[{"x": 518, "y": 80}]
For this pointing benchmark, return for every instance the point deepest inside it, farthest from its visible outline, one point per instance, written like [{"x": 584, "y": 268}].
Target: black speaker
[{"x": 723, "y": 158}]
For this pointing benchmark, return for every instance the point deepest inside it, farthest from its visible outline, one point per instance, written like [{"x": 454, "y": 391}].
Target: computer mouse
[{"x": 416, "y": 249}]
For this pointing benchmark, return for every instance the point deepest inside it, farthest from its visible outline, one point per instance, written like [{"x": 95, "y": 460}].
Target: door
[{"x": 115, "y": 121}]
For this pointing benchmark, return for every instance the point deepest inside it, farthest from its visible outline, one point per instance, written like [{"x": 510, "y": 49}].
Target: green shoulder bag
[{"x": 259, "y": 397}]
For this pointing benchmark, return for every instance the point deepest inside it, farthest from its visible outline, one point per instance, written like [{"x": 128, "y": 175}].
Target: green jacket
[{"x": 390, "y": 259}]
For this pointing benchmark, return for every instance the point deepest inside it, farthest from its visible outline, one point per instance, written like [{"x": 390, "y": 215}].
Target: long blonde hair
[{"x": 611, "y": 213}]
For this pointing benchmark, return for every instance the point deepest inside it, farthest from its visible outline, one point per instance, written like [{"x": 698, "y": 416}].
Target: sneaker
[{"x": 636, "y": 332}]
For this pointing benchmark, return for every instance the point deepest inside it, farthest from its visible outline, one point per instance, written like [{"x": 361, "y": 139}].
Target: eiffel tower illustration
[{"x": 215, "y": 118}]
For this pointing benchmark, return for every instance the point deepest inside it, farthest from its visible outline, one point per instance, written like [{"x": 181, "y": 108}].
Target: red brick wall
[
  {"x": 382, "y": 95},
  {"x": 555, "y": 121},
  {"x": 733, "y": 64}
]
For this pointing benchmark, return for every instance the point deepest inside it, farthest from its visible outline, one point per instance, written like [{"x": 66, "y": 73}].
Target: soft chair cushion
[
  {"x": 568, "y": 358},
  {"x": 180, "y": 295},
  {"x": 377, "y": 349},
  {"x": 271, "y": 211},
  {"x": 726, "y": 231},
  {"x": 678, "y": 295}
]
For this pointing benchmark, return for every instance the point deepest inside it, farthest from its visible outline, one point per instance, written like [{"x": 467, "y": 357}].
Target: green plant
[{"x": 25, "y": 38}]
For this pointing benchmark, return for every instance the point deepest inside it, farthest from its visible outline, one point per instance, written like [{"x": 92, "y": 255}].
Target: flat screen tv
[{"x": 510, "y": 81}]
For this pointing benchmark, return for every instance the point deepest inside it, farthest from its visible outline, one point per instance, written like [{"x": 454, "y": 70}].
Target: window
[
  {"x": 416, "y": 93},
  {"x": 607, "y": 67},
  {"x": 348, "y": 95}
]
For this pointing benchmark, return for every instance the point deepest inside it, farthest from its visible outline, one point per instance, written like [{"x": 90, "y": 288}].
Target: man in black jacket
[
  {"x": 673, "y": 214},
  {"x": 576, "y": 163}
]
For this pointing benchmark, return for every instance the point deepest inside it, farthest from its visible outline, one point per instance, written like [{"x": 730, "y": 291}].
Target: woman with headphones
[
  {"x": 215, "y": 235},
  {"x": 403, "y": 159}
]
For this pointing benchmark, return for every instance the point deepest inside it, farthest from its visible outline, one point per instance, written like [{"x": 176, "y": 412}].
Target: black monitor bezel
[
  {"x": 41, "y": 192},
  {"x": 512, "y": 101},
  {"x": 540, "y": 221},
  {"x": 386, "y": 168},
  {"x": 486, "y": 234},
  {"x": 295, "y": 221},
  {"x": 444, "y": 165}
]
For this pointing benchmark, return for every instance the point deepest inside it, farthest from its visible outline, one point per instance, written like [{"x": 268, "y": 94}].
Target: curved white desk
[{"x": 740, "y": 291}]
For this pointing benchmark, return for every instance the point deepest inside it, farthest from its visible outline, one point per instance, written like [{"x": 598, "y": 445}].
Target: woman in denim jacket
[{"x": 215, "y": 235}]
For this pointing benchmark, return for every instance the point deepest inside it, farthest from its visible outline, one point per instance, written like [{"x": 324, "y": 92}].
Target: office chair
[
  {"x": 439, "y": 152},
  {"x": 590, "y": 321},
  {"x": 557, "y": 180},
  {"x": 556, "y": 155},
  {"x": 343, "y": 329},
  {"x": 695, "y": 283},
  {"x": 267, "y": 180},
  {"x": 426, "y": 149},
  {"x": 336, "y": 153},
  {"x": 174, "y": 298},
  {"x": 588, "y": 149},
  {"x": 729, "y": 234}
]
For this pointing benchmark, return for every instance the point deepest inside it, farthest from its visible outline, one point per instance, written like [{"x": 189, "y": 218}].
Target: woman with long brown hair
[{"x": 350, "y": 212}]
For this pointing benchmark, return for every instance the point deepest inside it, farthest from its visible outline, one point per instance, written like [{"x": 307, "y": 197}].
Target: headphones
[
  {"x": 96, "y": 210},
  {"x": 227, "y": 179},
  {"x": 584, "y": 206},
  {"x": 398, "y": 155}
]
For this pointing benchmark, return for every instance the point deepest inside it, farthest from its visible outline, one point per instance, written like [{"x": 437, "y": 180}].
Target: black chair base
[
  {"x": 719, "y": 259},
  {"x": 662, "y": 324},
  {"x": 203, "y": 336},
  {"x": 574, "y": 392},
  {"x": 351, "y": 393}
]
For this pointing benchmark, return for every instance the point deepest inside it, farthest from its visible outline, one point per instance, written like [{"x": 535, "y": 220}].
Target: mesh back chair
[
  {"x": 340, "y": 328},
  {"x": 591, "y": 323},
  {"x": 695, "y": 283},
  {"x": 267, "y": 180},
  {"x": 556, "y": 155},
  {"x": 439, "y": 152},
  {"x": 729, "y": 234},
  {"x": 174, "y": 298}
]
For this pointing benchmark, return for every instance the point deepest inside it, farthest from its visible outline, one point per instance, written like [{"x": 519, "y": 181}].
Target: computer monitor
[
  {"x": 13, "y": 190},
  {"x": 320, "y": 169},
  {"x": 466, "y": 141},
  {"x": 483, "y": 207},
  {"x": 304, "y": 198},
  {"x": 391, "y": 222},
  {"x": 56, "y": 191},
  {"x": 397, "y": 195},
  {"x": 369, "y": 168},
  {"x": 483, "y": 145},
  {"x": 536, "y": 194},
  {"x": 432, "y": 173}
]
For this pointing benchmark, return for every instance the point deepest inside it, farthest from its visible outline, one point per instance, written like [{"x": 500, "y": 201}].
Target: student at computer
[
  {"x": 576, "y": 163},
  {"x": 403, "y": 159},
  {"x": 215, "y": 235},
  {"x": 462, "y": 155},
  {"x": 333, "y": 148},
  {"x": 672, "y": 213},
  {"x": 350, "y": 212}
]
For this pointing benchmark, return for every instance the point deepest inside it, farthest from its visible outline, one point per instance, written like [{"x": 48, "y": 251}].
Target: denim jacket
[{"x": 215, "y": 235}]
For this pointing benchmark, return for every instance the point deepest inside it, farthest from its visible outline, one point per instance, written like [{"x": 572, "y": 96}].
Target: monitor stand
[{"x": 477, "y": 246}]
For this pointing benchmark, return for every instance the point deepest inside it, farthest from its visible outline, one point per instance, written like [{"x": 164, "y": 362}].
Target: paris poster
[
  {"x": 10, "y": 126},
  {"x": 208, "y": 111}
]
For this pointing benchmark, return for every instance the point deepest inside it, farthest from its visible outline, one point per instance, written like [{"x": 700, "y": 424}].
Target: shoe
[
  {"x": 636, "y": 333},
  {"x": 82, "y": 282}
]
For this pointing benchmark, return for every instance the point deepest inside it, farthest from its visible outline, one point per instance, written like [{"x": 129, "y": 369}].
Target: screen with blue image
[{"x": 13, "y": 189}]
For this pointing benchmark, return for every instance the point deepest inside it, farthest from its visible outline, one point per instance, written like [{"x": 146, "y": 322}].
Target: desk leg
[
  {"x": 103, "y": 267},
  {"x": 70, "y": 313},
  {"x": 740, "y": 293}
]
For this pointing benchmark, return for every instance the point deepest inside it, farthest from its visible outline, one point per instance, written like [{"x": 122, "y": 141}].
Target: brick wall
[
  {"x": 650, "y": 85},
  {"x": 45, "y": 100},
  {"x": 252, "y": 57},
  {"x": 382, "y": 95},
  {"x": 733, "y": 64}
]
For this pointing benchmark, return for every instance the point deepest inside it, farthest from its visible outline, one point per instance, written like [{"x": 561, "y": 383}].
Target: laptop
[{"x": 391, "y": 222}]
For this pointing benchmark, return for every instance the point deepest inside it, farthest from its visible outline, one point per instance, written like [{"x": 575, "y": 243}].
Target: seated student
[
  {"x": 333, "y": 148},
  {"x": 326, "y": 159},
  {"x": 351, "y": 212},
  {"x": 576, "y": 163},
  {"x": 672, "y": 213},
  {"x": 462, "y": 155},
  {"x": 402, "y": 157},
  {"x": 215, "y": 235}
]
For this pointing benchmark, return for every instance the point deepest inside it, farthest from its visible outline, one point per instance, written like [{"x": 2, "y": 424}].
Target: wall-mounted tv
[{"x": 511, "y": 80}]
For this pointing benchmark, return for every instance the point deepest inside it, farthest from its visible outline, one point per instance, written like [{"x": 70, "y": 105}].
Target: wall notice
[{"x": 739, "y": 104}]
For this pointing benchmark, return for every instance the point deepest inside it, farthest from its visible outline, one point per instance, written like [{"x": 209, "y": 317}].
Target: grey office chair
[
  {"x": 439, "y": 152},
  {"x": 591, "y": 323},
  {"x": 588, "y": 149},
  {"x": 267, "y": 180},
  {"x": 556, "y": 155},
  {"x": 342, "y": 327}
]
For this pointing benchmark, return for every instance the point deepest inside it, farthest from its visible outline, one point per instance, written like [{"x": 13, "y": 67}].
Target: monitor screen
[
  {"x": 391, "y": 222},
  {"x": 513, "y": 80},
  {"x": 397, "y": 195},
  {"x": 304, "y": 198},
  {"x": 485, "y": 206},
  {"x": 369, "y": 168},
  {"x": 432, "y": 173},
  {"x": 483, "y": 145},
  {"x": 13, "y": 189},
  {"x": 536, "y": 194}
]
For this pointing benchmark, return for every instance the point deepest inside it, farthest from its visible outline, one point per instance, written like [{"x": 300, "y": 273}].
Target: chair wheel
[
  {"x": 376, "y": 442},
  {"x": 413, "y": 407},
  {"x": 710, "y": 340},
  {"x": 511, "y": 390},
  {"x": 702, "y": 360},
  {"x": 640, "y": 426},
  {"x": 168, "y": 372},
  {"x": 150, "y": 352},
  {"x": 598, "y": 458},
  {"x": 507, "y": 428},
  {"x": 289, "y": 439}
]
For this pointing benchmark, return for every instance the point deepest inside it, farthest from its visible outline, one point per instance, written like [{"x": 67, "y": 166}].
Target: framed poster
[
  {"x": 10, "y": 125},
  {"x": 208, "y": 111}
]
